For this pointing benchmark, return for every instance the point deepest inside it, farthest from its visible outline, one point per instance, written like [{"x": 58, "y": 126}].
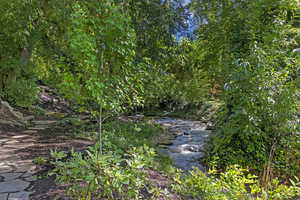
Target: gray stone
[
  {"x": 175, "y": 149},
  {"x": 11, "y": 123},
  {"x": 13, "y": 163},
  {"x": 3, "y": 196},
  {"x": 166, "y": 142},
  {"x": 10, "y": 176},
  {"x": 25, "y": 166},
  {"x": 27, "y": 174},
  {"x": 36, "y": 128},
  {"x": 9, "y": 116},
  {"x": 163, "y": 146},
  {"x": 192, "y": 148},
  {"x": 30, "y": 131},
  {"x": 30, "y": 178},
  {"x": 16, "y": 145},
  {"x": 200, "y": 132},
  {"x": 12, "y": 141},
  {"x": 13, "y": 186},
  {"x": 19, "y": 196},
  {"x": 42, "y": 127},
  {"x": 20, "y": 136},
  {"x": 180, "y": 140},
  {"x": 4, "y": 168},
  {"x": 29, "y": 118},
  {"x": 3, "y": 140}
]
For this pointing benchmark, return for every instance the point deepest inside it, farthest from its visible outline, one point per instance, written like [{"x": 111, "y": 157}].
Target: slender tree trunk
[
  {"x": 101, "y": 109},
  {"x": 267, "y": 173},
  {"x": 100, "y": 130}
]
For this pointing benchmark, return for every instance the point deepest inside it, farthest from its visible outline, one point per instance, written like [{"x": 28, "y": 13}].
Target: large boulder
[{"x": 9, "y": 116}]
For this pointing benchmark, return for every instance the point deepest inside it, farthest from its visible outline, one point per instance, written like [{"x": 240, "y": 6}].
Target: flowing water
[{"x": 186, "y": 149}]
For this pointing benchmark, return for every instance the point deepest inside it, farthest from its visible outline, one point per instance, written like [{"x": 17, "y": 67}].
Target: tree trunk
[{"x": 8, "y": 77}]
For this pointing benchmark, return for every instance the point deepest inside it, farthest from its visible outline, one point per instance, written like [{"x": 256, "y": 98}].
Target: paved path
[{"x": 17, "y": 172}]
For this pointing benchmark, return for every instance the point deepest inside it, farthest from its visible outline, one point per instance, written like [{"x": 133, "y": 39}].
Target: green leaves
[
  {"x": 233, "y": 184},
  {"x": 106, "y": 173},
  {"x": 246, "y": 47}
]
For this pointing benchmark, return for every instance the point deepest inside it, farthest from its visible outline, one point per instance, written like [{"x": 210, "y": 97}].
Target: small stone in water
[
  {"x": 193, "y": 148},
  {"x": 175, "y": 150}
]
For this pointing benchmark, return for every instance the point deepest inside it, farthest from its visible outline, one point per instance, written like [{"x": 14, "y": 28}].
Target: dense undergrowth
[{"x": 122, "y": 171}]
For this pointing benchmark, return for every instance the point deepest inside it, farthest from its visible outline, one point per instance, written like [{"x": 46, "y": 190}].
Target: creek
[{"x": 186, "y": 147}]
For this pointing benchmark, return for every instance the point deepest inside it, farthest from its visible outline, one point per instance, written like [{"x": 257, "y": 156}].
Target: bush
[
  {"x": 109, "y": 176},
  {"x": 22, "y": 93},
  {"x": 125, "y": 135},
  {"x": 233, "y": 184},
  {"x": 257, "y": 127}
]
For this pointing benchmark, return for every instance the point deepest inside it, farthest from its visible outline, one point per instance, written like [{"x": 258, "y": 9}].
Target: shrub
[
  {"x": 22, "y": 93},
  {"x": 109, "y": 176},
  {"x": 233, "y": 184}
]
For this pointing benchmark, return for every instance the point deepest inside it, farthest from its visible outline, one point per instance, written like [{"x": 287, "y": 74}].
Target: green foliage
[
  {"x": 112, "y": 56},
  {"x": 263, "y": 113},
  {"x": 120, "y": 172},
  {"x": 248, "y": 52},
  {"x": 40, "y": 161},
  {"x": 178, "y": 80},
  {"x": 233, "y": 184},
  {"x": 103, "y": 54},
  {"x": 110, "y": 175},
  {"x": 16, "y": 39},
  {"x": 38, "y": 111},
  {"x": 100, "y": 43},
  {"x": 123, "y": 175},
  {"x": 155, "y": 23},
  {"x": 22, "y": 93},
  {"x": 124, "y": 135}
]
